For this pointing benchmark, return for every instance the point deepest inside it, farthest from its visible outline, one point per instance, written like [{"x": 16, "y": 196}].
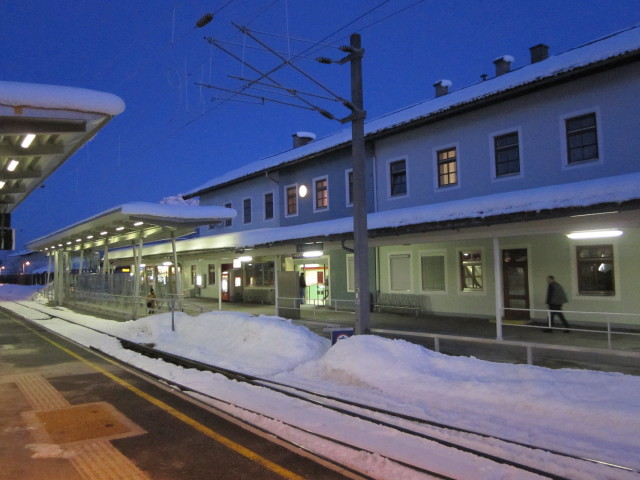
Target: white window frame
[
  {"x": 563, "y": 139},
  {"x": 462, "y": 291},
  {"x": 492, "y": 150},
  {"x": 434, "y": 253},
  {"x": 264, "y": 206},
  {"x": 286, "y": 201},
  {"x": 244, "y": 222},
  {"x": 315, "y": 206},
  {"x": 616, "y": 270},
  {"x": 388, "y": 177},
  {"x": 436, "y": 173},
  {"x": 395, "y": 254},
  {"x": 346, "y": 187}
]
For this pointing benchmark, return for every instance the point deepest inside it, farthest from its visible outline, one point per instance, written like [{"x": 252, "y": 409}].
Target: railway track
[{"x": 487, "y": 449}]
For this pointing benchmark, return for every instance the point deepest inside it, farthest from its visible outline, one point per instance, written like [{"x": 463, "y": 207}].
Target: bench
[{"x": 403, "y": 302}]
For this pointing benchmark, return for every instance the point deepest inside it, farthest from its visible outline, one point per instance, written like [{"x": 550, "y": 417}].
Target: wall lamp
[
  {"x": 594, "y": 234},
  {"x": 302, "y": 191}
]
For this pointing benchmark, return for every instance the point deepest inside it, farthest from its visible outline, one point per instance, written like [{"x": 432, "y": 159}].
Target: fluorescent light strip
[
  {"x": 594, "y": 234},
  {"x": 26, "y": 142},
  {"x": 13, "y": 164}
]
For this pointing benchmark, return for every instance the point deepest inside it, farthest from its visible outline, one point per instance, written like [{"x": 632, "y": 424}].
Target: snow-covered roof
[
  {"x": 43, "y": 126},
  {"x": 130, "y": 221},
  {"x": 615, "y": 45},
  {"x": 579, "y": 195},
  {"x": 35, "y": 95}
]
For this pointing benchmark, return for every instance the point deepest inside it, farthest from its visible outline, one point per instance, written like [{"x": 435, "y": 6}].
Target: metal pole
[
  {"x": 360, "y": 231},
  {"x": 176, "y": 269}
]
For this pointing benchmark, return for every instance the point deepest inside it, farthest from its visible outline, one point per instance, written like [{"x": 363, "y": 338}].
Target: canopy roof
[
  {"x": 132, "y": 222},
  {"x": 61, "y": 120}
]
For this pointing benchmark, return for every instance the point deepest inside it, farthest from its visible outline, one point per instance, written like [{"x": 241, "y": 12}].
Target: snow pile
[{"x": 260, "y": 345}]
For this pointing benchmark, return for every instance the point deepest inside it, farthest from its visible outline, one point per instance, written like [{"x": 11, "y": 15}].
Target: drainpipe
[
  {"x": 497, "y": 273},
  {"x": 219, "y": 280},
  {"x": 277, "y": 262}
]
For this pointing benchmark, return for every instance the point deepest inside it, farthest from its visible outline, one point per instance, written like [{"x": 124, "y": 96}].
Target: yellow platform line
[{"x": 236, "y": 447}]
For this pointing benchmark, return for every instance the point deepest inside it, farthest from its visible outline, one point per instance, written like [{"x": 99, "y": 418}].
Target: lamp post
[{"x": 24, "y": 267}]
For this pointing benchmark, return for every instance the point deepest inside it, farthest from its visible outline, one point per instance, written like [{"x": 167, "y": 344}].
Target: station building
[{"x": 474, "y": 196}]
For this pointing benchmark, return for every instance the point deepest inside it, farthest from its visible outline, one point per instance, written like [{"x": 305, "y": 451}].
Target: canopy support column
[{"x": 174, "y": 250}]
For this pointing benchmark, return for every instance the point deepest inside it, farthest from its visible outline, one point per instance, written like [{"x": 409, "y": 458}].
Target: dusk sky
[{"x": 175, "y": 135}]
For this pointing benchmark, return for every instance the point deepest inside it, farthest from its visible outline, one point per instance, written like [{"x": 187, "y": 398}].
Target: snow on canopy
[
  {"x": 614, "y": 45},
  {"x": 34, "y": 95}
]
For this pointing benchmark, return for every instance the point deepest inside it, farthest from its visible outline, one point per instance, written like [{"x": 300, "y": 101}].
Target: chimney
[
  {"x": 539, "y": 52},
  {"x": 442, "y": 87},
  {"x": 302, "y": 138},
  {"x": 503, "y": 64}
]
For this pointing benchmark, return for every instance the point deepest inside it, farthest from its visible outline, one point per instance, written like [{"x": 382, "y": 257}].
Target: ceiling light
[
  {"x": 594, "y": 234},
  {"x": 312, "y": 254},
  {"x": 137, "y": 224},
  {"x": 13, "y": 164},
  {"x": 89, "y": 237},
  {"x": 2, "y": 184},
  {"x": 167, "y": 264},
  {"x": 119, "y": 229},
  {"x": 104, "y": 233},
  {"x": 78, "y": 239},
  {"x": 26, "y": 142},
  {"x": 245, "y": 259},
  {"x": 69, "y": 243}
]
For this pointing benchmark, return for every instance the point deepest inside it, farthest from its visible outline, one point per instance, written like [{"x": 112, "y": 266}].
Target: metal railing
[
  {"x": 604, "y": 323},
  {"x": 128, "y": 306}
]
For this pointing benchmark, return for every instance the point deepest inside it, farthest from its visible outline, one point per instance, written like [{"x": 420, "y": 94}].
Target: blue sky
[{"x": 174, "y": 135}]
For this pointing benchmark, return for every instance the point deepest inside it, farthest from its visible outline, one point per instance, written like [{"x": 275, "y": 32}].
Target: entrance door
[{"x": 515, "y": 276}]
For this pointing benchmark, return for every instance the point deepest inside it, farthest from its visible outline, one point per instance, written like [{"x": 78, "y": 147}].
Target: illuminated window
[
  {"x": 321, "y": 193},
  {"x": 292, "y": 200},
  {"x": 447, "y": 167}
]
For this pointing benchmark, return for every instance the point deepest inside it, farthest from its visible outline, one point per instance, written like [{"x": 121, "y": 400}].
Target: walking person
[
  {"x": 556, "y": 296},
  {"x": 151, "y": 301}
]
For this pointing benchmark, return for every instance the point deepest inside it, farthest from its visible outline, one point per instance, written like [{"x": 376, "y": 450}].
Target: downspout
[{"x": 497, "y": 273}]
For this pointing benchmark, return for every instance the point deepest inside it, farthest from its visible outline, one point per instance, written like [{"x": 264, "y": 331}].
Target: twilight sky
[{"x": 175, "y": 135}]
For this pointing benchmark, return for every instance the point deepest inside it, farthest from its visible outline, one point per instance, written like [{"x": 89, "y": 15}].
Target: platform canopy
[
  {"x": 41, "y": 126},
  {"x": 131, "y": 223}
]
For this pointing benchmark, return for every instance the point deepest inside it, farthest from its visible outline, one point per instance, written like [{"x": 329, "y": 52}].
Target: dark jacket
[{"x": 555, "y": 294}]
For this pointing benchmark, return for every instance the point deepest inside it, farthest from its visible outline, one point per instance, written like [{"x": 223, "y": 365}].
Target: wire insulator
[
  {"x": 205, "y": 19},
  {"x": 325, "y": 60}
]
